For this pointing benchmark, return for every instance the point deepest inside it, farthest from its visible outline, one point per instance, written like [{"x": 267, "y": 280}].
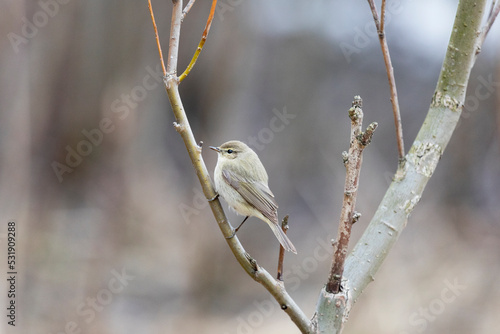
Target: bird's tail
[{"x": 282, "y": 238}]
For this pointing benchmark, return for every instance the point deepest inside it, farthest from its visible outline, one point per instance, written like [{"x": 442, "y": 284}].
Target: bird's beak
[{"x": 216, "y": 149}]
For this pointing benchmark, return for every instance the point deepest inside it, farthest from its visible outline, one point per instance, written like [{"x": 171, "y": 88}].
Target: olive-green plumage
[{"x": 241, "y": 179}]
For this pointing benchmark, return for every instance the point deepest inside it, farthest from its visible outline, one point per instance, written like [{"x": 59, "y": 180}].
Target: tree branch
[
  {"x": 407, "y": 187},
  {"x": 281, "y": 257},
  {"x": 259, "y": 274},
  {"x": 157, "y": 38},
  {"x": 443, "y": 115},
  {"x": 382, "y": 20},
  {"x": 348, "y": 216},
  {"x": 187, "y": 8},
  {"x": 495, "y": 9},
  {"x": 390, "y": 75}
]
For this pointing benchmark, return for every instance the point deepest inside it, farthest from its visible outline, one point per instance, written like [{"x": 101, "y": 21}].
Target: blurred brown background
[{"x": 114, "y": 235}]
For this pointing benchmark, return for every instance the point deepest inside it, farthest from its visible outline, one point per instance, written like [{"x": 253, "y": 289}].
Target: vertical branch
[
  {"x": 390, "y": 75},
  {"x": 382, "y": 20},
  {"x": 352, "y": 161},
  {"x": 173, "y": 43},
  {"x": 281, "y": 257},
  {"x": 162, "y": 62}
]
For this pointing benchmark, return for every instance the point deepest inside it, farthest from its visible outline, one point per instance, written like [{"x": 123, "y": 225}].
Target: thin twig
[
  {"x": 187, "y": 8},
  {"x": 349, "y": 216},
  {"x": 390, "y": 76},
  {"x": 281, "y": 257},
  {"x": 382, "y": 19},
  {"x": 202, "y": 42},
  {"x": 374, "y": 13},
  {"x": 157, "y": 38},
  {"x": 495, "y": 9},
  {"x": 492, "y": 8}
]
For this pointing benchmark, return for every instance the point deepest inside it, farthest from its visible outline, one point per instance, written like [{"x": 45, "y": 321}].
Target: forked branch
[{"x": 406, "y": 190}]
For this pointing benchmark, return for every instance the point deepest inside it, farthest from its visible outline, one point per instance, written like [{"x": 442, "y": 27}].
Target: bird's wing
[{"x": 256, "y": 193}]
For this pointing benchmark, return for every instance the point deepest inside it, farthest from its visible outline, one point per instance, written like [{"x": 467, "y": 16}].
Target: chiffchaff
[{"x": 241, "y": 179}]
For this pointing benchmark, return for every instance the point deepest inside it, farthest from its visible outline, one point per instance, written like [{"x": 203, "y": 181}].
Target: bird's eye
[{"x": 230, "y": 151}]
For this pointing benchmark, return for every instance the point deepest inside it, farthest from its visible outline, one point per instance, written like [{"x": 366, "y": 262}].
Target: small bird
[{"x": 241, "y": 179}]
